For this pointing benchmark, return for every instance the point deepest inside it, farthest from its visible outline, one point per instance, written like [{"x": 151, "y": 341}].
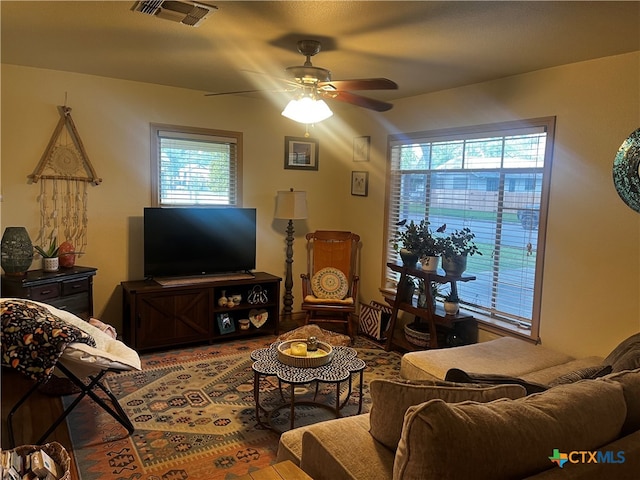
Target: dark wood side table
[{"x": 68, "y": 289}]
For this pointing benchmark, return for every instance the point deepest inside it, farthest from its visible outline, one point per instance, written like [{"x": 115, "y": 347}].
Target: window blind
[
  {"x": 197, "y": 168},
  {"x": 493, "y": 180}
]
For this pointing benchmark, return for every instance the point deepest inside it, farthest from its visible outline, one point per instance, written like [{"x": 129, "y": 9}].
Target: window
[
  {"x": 195, "y": 166},
  {"x": 493, "y": 179}
]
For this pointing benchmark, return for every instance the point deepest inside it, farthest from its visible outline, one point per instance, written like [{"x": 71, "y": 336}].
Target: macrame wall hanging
[{"x": 64, "y": 173}]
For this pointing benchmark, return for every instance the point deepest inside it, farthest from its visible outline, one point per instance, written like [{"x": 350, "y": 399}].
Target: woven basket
[
  {"x": 57, "y": 453},
  {"x": 416, "y": 337}
]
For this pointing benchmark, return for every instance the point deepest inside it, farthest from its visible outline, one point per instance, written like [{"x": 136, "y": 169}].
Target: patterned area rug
[{"x": 194, "y": 414}]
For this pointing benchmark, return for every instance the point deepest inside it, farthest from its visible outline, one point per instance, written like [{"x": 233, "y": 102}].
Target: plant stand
[{"x": 432, "y": 316}]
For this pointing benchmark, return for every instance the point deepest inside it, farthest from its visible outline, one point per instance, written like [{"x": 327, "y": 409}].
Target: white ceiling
[{"x": 424, "y": 46}]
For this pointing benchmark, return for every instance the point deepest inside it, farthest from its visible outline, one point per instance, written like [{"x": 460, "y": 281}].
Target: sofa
[{"x": 425, "y": 427}]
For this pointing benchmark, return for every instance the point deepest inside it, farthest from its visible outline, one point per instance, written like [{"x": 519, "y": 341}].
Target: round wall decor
[
  {"x": 329, "y": 283},
  {"x": 626, "y": 171}
]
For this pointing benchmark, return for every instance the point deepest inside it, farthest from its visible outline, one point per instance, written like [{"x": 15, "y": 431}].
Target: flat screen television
[{"x": 197, "y": 241}]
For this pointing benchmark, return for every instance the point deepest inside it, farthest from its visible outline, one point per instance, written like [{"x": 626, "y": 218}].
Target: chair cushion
[
  {"x": 391, "y": 399},
  {"x": 329, "y": 282},
  {"x": 328, "y": 301}
]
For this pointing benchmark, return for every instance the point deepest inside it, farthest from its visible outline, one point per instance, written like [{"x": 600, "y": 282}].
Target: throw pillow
[
  {"x": 329, "y": 282},
  {"x": 391, "y": 399},
  {"x": 582, "y": 374},
  {"x": 460, "y": 376},
  {"x": 626, "y": 356},
  {"x": 447, "y": 441}
]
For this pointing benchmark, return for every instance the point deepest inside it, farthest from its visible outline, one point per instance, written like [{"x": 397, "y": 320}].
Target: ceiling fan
[{"x": 315, "y": 82}]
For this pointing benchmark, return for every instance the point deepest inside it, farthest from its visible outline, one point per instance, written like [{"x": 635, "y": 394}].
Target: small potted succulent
[
  {"x": 451, "y": 303},
  {"x": 50, "y": 262},
  {"x": 456, "y": 247}
]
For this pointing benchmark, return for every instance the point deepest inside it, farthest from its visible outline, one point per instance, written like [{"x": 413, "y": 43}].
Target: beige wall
[{"x": 592, "y": 271}]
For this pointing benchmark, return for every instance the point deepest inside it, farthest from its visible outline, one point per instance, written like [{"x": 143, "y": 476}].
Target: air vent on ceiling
[{"x": 181, "y": 11}]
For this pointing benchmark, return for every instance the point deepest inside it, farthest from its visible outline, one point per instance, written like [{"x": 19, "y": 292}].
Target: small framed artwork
[
  {"x": 225, "y": 323},
  {"x": 360, "y": 183},
  {"x": 361, "y": 149},
  {"x": 301, "y": 153}
]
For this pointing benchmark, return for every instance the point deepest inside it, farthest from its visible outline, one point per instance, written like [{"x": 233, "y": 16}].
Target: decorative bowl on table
[{"x": 295, "y": 354}]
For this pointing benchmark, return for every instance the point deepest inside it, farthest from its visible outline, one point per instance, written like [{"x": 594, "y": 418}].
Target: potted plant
[
  {"x": 456, "y": 247},
  {"x": 49, "y": 256},
  {"x": 430, "y": 247},
  {"x": 451, "y": 303},
  {"x": 407, "y": 242}
]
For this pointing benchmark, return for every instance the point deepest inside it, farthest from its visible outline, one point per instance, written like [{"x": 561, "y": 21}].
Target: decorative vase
[
  {"x": 451, "y": 308},
  {"x": 67, "y": 255},
  {"x": 409, "y": 258},
  {"x": 50, "y": 264},
  {"x": 223, "y": 300},
  {"x": 409, "y": 290},
  {"x": 429, "y": 264},
  {"x": 17, "y": 251},
  {"x": 454, "y": 265}
]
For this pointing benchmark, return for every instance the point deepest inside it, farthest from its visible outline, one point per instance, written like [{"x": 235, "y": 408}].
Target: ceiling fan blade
[
  {"x": 232, "y": 93},
  {"x": 360, "y": 84},
  {"x": 358, "y": 100}
]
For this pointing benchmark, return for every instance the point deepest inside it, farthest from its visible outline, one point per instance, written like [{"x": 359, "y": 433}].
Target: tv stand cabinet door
[{"x": 165, "y": 319}]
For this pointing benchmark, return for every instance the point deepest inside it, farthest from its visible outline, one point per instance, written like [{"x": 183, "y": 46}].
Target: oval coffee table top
[{"x": 343, "y": 364}]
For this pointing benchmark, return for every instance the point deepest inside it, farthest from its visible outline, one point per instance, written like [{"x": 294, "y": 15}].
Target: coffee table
[{"x": 341, "y": 368}]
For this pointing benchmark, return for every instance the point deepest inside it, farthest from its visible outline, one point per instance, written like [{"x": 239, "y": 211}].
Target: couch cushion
[
  {"x": 290, "y": 445},
  {"x": 626, "y": 356},
  {"x": 390, "y": 400},
  {"x": 630, "y": 381},
  {"x": 549, "y": 374},
  {"x": 587, "y": 373},
  {"x": 505, "y": 356},
  {"x": 343, "y": 449},
  {"x": 507, "y": 438}
]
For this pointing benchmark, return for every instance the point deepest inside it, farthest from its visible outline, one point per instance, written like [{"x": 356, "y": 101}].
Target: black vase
[
  {"x": 409, "y": 258},
  {"x": 17, "y": 251}
]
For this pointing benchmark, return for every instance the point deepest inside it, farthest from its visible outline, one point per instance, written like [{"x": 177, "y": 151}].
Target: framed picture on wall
[
  {"x": 361, "y": 147},
  {"x": 360, "y": 183},
  {"x": 301, "y": 153}
]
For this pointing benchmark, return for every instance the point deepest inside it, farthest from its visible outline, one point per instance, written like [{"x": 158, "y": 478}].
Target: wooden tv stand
[{"x": 165, "y": 316}]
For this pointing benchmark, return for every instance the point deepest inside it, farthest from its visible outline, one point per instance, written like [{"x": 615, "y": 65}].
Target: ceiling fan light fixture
[{"x": 307, "y": 110}]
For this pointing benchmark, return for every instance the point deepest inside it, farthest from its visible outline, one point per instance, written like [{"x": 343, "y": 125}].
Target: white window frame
[
  {"x": 397, "y": 203},
  {"x": 198, "y": 196}
]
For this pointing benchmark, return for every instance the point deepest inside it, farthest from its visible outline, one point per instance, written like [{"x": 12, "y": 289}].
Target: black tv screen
[{"x": 198, "y": 241}]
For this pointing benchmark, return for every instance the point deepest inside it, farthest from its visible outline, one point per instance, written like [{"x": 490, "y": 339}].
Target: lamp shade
[
  {"x": 291, "y": 205},
  {"x": 307, "y": 110}
]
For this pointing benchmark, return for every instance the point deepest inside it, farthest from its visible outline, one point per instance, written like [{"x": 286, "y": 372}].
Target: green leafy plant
[
  {"x": 417, "y": 238},
  {"x": 408, "y": 238},
  {"x": 460, "y": 242},
  {"x": 51, "y": 251}
]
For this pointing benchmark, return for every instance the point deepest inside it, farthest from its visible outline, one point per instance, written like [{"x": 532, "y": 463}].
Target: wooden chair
[{"x": 328, "y": 251}]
